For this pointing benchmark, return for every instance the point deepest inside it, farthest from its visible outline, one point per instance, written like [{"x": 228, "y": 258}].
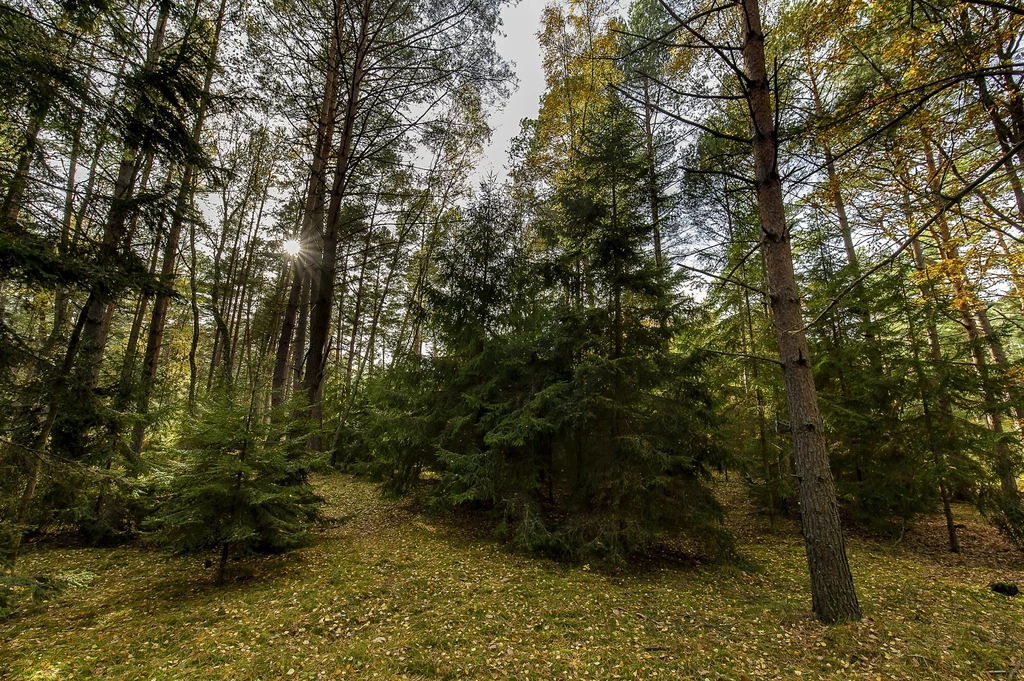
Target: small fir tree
[{"x": 240, "y": 487}]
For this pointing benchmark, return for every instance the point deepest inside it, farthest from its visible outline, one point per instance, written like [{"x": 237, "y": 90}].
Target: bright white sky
[{"x": 519, "y": 45}]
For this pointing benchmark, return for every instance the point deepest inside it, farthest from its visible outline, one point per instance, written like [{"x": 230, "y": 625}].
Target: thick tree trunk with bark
[
  {"x": 324, "y": 140},
  {"x": 832, "y": 591},
  {"x": 322, "y": 303}
]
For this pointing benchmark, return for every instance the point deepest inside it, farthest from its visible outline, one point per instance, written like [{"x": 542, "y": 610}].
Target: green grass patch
[{"x": 389, "y": 594}]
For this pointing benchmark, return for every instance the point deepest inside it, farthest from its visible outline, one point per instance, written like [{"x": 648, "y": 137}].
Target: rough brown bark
[{"x": 832, "y": 591}]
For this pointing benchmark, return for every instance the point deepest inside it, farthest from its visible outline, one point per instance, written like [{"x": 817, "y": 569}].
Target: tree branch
[{"x": 954, "y": 200}]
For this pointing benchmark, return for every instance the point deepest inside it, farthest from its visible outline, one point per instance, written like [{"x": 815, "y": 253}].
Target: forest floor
[{"x": 386, "y": 593}]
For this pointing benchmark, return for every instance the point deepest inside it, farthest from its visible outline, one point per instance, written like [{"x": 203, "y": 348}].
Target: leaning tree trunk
[
  {"x": 101, "y": 299},
  {"x": 966, "y": 302},
  {"x": 39, "y": 443},
  {"x": 10, "y": 209},
  {"x": 938, "y": 436},
  {"x": 832, "y": 592}
]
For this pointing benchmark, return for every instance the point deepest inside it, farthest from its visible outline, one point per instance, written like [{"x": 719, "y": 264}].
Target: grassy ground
[{"x": 386, "y": 594}]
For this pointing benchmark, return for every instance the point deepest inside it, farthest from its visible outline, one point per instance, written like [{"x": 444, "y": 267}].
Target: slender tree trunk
[
  {"x": 193, "y": 351},
  {"x": 934, "y": 444},
  {"x": 222, "y": 294},
  {"x": 936, "y": 439},
  {"x": 747, "y": 337},
  {"x": 1003, "y": 135},
  {"x": 284, "y": 341},
  {"x": 833, "y": 181},
  {"x": 999, "y": 358},
  {"x": 967, "y": 303},
  {"x": 322, "y": 149},
  {"x": 222, "y": 563},
  {"x": 128, "y": 367},
  {"x": 60, "y": 299},
  {"x": 11, "y": 208},
  {"x": 299, "y": 350},
  {"x": 832, "y": 591},
  {"x": 94, "y": 333},
  {"x": 182, "y": 203},
  {"x": 652, "y": 174},
  {"x": 38, "y": 445},
  {"x": 342, "y": 293},
  {"x": 1011, "y": 265},
  {"x": 240, "y": 316},
  {"x": 358, "y": 309}
]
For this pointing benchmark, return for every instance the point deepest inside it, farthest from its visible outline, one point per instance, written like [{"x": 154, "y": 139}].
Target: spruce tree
[{"x": 236, "y": 485}]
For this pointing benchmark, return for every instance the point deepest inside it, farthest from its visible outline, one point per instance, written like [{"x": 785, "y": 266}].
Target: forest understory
[
  {"x": 385, "y": 591},
  {"x": 721, "y": 375}
]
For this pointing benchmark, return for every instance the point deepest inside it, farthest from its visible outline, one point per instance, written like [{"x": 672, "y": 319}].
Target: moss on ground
[{"x": 384, "y": 593}]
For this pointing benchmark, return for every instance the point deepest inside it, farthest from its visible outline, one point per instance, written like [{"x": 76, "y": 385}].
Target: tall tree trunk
[
  {"x": 284, "y": 341},
  {"x": 933, "y": 437},
  {"x": 318, "y": 166},
  {"x": 182, "y": 204},
  {"x": 193, "y": 350},
  {"x": 966, "y": 300},
  {"x": 222, "y": 292},
  {"x": 299, "y": 350},
  {"x": 128, "y": 367},
  {"x": 60, "y": 299},
  {"x": 358, "y": 309},
  {"x": 747, "y": 336},
  {"x": 832, "y": 591},
  {"x": 1003, "y": 135},
  {"x": 937, "y": 440},
  {"x": 94, "y": 333},
  {"x": 833, "y": 180},
  {"x": 320, "y": 315},
  {"x": 11, "y": 208},
  {"x": 247, "y": 271},
  {"x": 652, "y": 173},
  {"x": 38, "y": 445}
]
